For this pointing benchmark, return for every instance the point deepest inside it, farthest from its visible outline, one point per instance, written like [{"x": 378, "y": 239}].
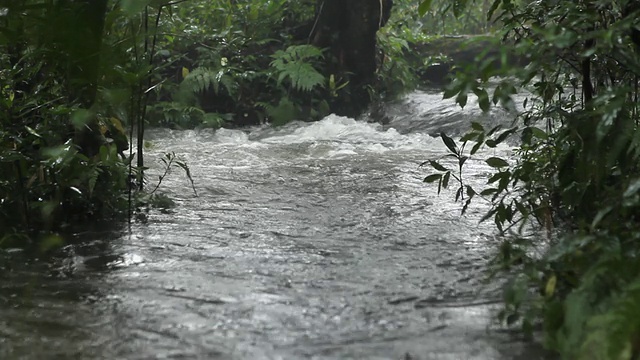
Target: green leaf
[
  {"x": 496, "y": 162},
  {"x": 424, "y": 7},
  {"x": 477, "y": 146},
  {"x": 432, "y": 178},
  {"x": 470, "y": 191},
  {"x": 461, "y": 99},
  {"x": 434, "y": 164},
  {"x": 487, "y": 192},
  {"x": 483, "y": 99},
  {"x": 32, "y": 131},
  {"x": 496, "y": 177},
  {"x": 445, "y": 179},
  {"x": 539, "y": 133},
  {"x": 493, "y": 8},
  {"x": 477, "y": 126},
  {"x": 502, "y": 137},
  {"x": 494, "y": 129},
  {"x": 451, "y": 145},
  {"x": 471, "y": 135}
]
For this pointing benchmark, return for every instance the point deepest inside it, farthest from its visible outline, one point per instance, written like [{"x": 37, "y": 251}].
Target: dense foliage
[
  {"x": 59, "y": 159},
  {"x": 568, "y": 202}
]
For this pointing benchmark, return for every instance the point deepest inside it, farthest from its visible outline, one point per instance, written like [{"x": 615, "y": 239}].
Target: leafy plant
[
  {"x": 171, "y": 161},
  {"x": 202, "y": 79},
  {"x": 295, "y": 64}
]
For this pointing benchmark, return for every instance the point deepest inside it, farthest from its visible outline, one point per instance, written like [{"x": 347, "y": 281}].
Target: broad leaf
[
  {"x": 432, "y": 178},
  {"x": 424, "y": 7},
  {"x": 451, "y": 145},
  {"x": 496, "y": 162}
]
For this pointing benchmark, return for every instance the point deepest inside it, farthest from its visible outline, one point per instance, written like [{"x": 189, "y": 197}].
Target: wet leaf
[
  {"x": 432, "y": 178},
  {"x": 495, "y": 177},
  {"x": 461, "y": 99},
  {"x": 470, "y": 191},
  {"x": 32, "y": 131},
  {"x": 505, "y": 135},
  {"x": 478, "y": 145},
  {"x": 434, "y": 164},
  {"x": 489, "y": 191},
  {"x": 445, "y": 179},
  {"x": 477, "y": 126},
  {"x": 470, "y": 136},
  {"x": 494, "y": 129},
  {"x": 466, "y": 206},
  {"x": 424, "y": 7},
  {"x": 460, "y": 193},
  {"x": 496, "y": 162},
  {"x": 450, "y": 144},
  {"x": 483, "y": 99}
]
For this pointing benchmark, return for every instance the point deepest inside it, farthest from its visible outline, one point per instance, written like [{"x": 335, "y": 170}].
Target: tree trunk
[
  {"x": 79, "y": 26},
  {"x": 348, "y": 28}
]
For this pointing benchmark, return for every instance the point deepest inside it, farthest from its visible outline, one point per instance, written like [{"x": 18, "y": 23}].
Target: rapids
[{"x": 307, "y": 241}]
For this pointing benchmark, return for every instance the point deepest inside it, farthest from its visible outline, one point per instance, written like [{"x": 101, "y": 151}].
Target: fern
[
  {"x": 202, "y": 79},
  {"x": 295, "y": 63}
]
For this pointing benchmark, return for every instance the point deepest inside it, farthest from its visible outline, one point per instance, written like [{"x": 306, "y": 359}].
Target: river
[{"x": 308, "y": 241}]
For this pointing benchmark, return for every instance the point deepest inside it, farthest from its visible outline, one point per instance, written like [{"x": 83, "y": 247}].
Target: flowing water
[{"x": 313, "y": 240}]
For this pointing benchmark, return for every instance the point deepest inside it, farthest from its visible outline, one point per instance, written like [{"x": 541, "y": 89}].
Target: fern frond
[
  {"x": 296, "y": 64},
  {"x": 228, "y": 82},
  {"x": 202, "y": 79},
  {"x": 199, "y": 80}
]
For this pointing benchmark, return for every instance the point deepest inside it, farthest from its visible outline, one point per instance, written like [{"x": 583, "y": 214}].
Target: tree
[{"x": 348, "y": 28}]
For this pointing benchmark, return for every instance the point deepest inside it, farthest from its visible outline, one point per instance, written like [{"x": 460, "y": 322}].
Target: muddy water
[{"x": 314, "y": 240}]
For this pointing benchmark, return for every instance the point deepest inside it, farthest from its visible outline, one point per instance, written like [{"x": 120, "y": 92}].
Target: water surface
[{"x": 309, "y": 241}]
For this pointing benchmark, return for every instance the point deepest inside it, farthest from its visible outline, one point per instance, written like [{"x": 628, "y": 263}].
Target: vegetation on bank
[{"x": 568, "y": 203}]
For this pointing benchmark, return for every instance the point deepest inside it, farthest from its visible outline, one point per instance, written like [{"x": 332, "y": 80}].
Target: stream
[{"x": 307, "y": 241}]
